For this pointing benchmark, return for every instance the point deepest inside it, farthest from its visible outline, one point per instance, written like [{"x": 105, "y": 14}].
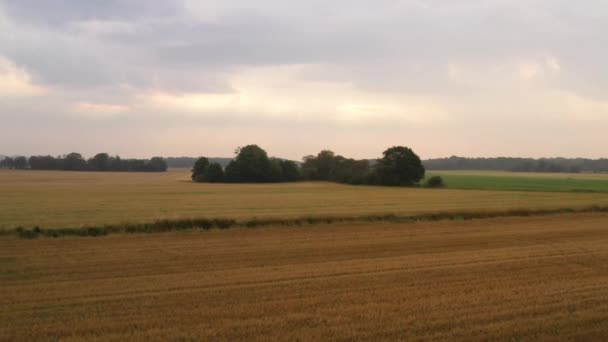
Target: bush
[{"x": 435, "y": 182}]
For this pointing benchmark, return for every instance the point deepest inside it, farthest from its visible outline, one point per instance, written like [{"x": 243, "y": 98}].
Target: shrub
[{"x": 435, "y": 182}]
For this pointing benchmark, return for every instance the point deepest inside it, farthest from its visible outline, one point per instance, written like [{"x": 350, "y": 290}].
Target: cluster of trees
[
  {"x": 251, "y": 165},
  {"x": 519, "y": 164},
  {"x": 19, "y": 163},
  {"x": 75, "y": 162},
  {"x": 398, "y": 166}
]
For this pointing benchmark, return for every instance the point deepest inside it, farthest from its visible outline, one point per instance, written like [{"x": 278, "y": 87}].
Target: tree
[
  {"x": 276, "y": 170},
  {"x": 325, "y": 161},
  {"x": 291, "y": 172},
  {"x": 309, "y": 168},
  {"x": 214, "y": 173},
  {"x": 200, "y": 166},
  {"x": 74, "y": 162},
  {"x": 7, "y": 162},
  {"x": 251, "y": 165},
  {"x": 156, "y": 164},
  {"x": 101, "y": 162},
  {"x": 20, "y": 163},
  {"x": 43, "y": 163},
  {"x": 318, "y": 167},
  {"x": 349, "y": 171},
  {"x": 399, "y": 166}
]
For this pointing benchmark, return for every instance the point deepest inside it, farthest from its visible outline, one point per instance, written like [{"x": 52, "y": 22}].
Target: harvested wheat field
[
  {"x": 509, "y": 278},
  {"x": 56, "y": 199}
]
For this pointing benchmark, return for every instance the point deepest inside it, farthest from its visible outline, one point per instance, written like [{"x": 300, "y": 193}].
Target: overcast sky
[{"x": 190, "y": 77}]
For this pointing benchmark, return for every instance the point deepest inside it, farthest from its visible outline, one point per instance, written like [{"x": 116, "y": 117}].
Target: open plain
[
  {"x": 57, "y": 199},
  {"x": 510, "y": 278}
]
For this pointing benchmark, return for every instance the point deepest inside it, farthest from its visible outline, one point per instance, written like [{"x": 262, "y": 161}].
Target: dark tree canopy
[
  {"x": 74, "y": 162},
  {"x": 204, "y": 171},
  {"x": 214, "y": 173},
  {"x": 399, "y": 165},
  {"x": 251, "y": 165},
  {"x": 7, "y": 163},
  {"x": 156, "y": 164},
  {"x": 199, "y": 168},
  {"x": 20, "y": 163},
  {"x": 100, "y": 162},
  {"x": 290, "y": 171},
  {"x": 434, "y": 182}
]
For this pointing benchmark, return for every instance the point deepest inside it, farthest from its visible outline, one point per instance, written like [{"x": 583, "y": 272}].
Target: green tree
[
  {"x": 20, "y": 163},
  {"x": 251, "y": 165},
  {"x": 156, "y": 164},
  {"x": 74, "y": 162},
  {"x": 198, "y": 171},
  {"x": 7, "y": 162},
  {"x": 325, "y": 162},
  {"x": 399, "y": 166},
  {"x": 309, "y": 168},
  {"x": 214, "y": 173},
  {"x": 100, "y": 162},
  {"x": 291, "y": 171},
  {"x": 276, "y": 170}
]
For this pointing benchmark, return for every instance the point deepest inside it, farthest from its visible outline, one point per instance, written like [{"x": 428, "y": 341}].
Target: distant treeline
[
  {"x": 75, "y": 162},
  {"x": 188, "y": 162},
  {"x": 519, "y": 164},
  {"x": 399, "y": 165}
]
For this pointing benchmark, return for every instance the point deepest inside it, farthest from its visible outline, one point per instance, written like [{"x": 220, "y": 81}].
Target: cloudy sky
[{"x": 190, "y": 77}]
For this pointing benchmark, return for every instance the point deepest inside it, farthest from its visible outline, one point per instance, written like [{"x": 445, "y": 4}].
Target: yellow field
[
  {"x": 72, "y": 199},
  {"x": 510, "y": 278}
]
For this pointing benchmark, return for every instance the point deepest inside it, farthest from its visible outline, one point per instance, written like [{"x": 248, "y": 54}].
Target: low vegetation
[
  {"x": 434, "y": 182},
  {"x": 168, "y": 225}
]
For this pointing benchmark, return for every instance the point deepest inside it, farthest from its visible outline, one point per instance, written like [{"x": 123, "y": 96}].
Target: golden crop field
[
  {"x": 535, "y": 278},
  {"x": 52, "y": 199}
]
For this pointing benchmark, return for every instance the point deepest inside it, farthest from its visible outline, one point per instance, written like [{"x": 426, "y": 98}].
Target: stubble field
[
  {"x": 526, "y": 278},
  {"x": 55, "y": 199},
  {"x": 509, "y": 279}
]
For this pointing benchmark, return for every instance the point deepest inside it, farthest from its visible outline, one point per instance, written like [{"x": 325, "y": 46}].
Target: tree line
[
  {"x": 573, "y": 165},
  {"x": 399, "y": 165},
  {"x": 188, "y": 162},
  {"x": 75, "y": 162}
]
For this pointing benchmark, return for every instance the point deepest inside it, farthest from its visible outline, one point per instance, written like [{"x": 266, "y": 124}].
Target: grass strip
[{"x": 170, "y": 225}]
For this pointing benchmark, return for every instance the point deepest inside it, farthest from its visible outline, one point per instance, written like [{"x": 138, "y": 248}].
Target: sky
[{"x": 193, "y": 77}]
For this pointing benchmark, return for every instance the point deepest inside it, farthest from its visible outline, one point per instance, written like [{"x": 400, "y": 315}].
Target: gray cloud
[{"x": 111, "y": 52}]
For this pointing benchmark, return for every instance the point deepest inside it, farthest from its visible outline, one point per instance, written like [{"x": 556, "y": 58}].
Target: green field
[
  {"x": 55, "y": 199},
  {"x": 524, "y": 181}
]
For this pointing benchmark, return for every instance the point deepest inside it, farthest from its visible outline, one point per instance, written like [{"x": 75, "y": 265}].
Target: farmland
[
  {"x": 512, "y": 278},
  {"x": 54, "y": 199},
  {"x": 524, "y": 181}
]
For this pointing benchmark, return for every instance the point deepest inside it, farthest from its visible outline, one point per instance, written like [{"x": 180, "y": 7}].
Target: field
[
  {"x": 524, "y": 181},
  {"x": 509, "y": 279},
  {"x": 52, "y": 199}
]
